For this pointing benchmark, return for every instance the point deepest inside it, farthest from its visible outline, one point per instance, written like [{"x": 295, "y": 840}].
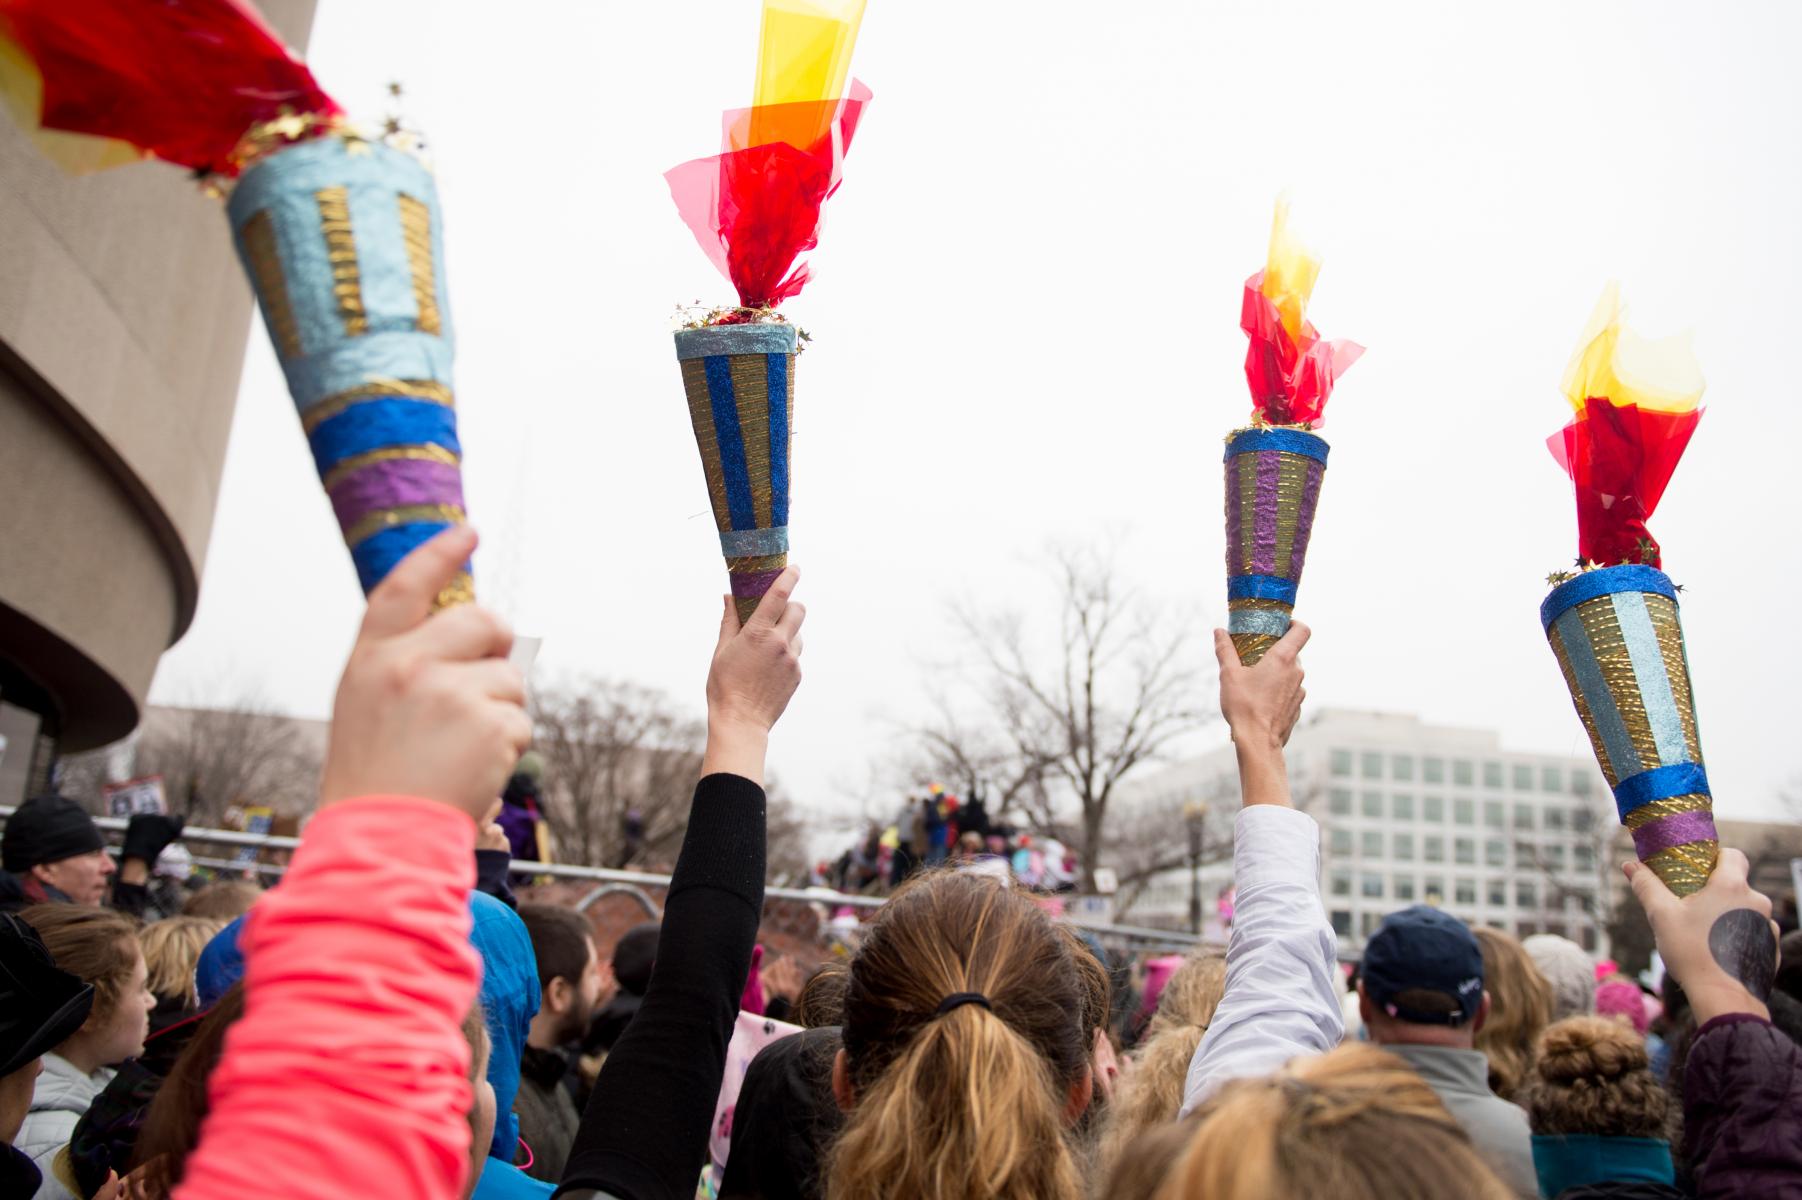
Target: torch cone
[
  {"x": 1619, "y": 640},
  {"x": 1273, "y": 481},
  {"x": 741, "y": 399},
  {"x": 344, "y": 243}
]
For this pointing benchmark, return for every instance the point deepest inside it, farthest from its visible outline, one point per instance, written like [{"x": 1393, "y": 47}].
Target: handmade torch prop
[
  {"x": 1613, "y": 623},
  {"x": 755, "y": 207},
  {"x": 1274, "y": 466},
  {"x": 340, "y": 234}
]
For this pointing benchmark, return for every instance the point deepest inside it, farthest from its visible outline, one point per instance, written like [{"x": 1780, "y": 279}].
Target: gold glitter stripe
[
  {"x": 1669, "y": 627},
  {"x": 1291, "y": 482},
  {"x": 357, "y": 462},
  {"x": 1582, "y": 703},
  {"x": 1647, "y": 813},
  {"x": 271, "y": 281},
  {"x": 341, "y": 250},
  {"x": 1602, "y": 624},
  {"x": 377, "y": 389},
  {"x": 1259, "y": 606},
  {"x": 753, "y": 566},
  {"x": 751, "y": 388},
  {"x": 1248, "y": 511},
  {"x": 700, "y": 414},
  {"x": 1252, "y": 646},
  {"x": 461, "y": 590},
  {"x": 406, "y": 514},
  {"x": 1684, "y": 869},
  {"x": 416, "y": 228}
]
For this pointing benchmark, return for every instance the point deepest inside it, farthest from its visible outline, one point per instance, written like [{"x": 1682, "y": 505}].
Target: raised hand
[
  {"x": 428, "y": 705},
  {"x": 1262, "y": 703},
  {"x": 1720, "y": 944},
  {"x": 755, "y": 672}
]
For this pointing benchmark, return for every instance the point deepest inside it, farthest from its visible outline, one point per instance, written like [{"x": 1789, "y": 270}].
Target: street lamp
[{"x": 1195, "y": 814}]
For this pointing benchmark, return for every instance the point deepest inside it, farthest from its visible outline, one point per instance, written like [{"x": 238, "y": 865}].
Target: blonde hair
[
  {"x": 226, "y": 899},
  {"x": 1592, "y": 1076},
  {"x": 1520, "y": 1007},
  {"x": 1150, "y": 1094},
  {"x": 971, "y": 1102},
  {"x": 171, "y": 948},
  {"x": 1353, "y": 1124}
]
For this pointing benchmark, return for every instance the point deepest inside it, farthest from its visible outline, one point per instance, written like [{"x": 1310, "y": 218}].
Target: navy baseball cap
[{"x": 1421, "y": 949}]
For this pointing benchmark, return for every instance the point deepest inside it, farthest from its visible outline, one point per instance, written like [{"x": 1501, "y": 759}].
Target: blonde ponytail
[{"x": 974, "y": 1101}]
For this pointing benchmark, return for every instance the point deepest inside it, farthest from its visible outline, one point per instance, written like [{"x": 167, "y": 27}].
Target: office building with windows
[{"x": 1412, "y": 813}]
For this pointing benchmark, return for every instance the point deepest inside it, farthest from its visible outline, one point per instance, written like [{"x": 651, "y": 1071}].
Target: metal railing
[{"x": 615, "y": 882}]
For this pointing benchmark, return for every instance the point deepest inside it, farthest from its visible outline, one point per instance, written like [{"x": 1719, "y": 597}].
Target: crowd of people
[
  {"x": 389, "y": 1021},
  {"x": 940, "y": 829}
]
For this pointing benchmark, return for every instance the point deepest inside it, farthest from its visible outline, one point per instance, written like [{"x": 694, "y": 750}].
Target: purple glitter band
[
  {"x": 395, "y": 482},
  {"x": 753, "y": 583},
  {"x": 1674, "y": 830},
  {"x": 1304, "y": 519},
  {"x": 1263, "y": 553},
  {"x": 1235, "y": 515}
]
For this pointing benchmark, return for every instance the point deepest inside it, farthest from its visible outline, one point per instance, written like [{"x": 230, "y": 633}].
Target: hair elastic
[{"x": 959, "y": 999}]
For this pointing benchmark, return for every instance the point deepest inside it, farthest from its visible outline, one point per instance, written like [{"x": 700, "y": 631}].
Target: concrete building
[
  {"x": 1414, "y": 813},
  {"x": 123, "y": 323}
]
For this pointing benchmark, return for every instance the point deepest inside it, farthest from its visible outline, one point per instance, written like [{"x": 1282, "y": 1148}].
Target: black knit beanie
[{"x": 47, "y": 829}]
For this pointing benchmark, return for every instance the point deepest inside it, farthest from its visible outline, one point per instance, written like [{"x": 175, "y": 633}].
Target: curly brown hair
[{"x": 1592, "y": 1076}]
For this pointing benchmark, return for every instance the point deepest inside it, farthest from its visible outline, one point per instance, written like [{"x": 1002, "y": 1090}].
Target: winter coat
[
  {"x": 61, "y": 1096},
  {"x": 1742, "y": 1089},
  {"x": 547, "y": 1114}
]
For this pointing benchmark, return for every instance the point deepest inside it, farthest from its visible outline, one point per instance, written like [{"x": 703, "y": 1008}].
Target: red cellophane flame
[
  {"x": 1290, "y": 377},
  {"x": 1620, "y": 457},
  {"x": 755, "y": 208},
  {"x": 183, "y": 80}
]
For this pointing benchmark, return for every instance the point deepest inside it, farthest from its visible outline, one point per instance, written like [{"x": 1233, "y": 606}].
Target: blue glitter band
[
  {"x": 1260, "y": 587},
  {"x": 735, "y": 339},
  {"x": 776, "y": 379},
  {"x": 1290, "y": 441},
  {"x": 754, "y": 543},
  {"x": 1649, "y": 671},
  {"x": 1258, "y": 620},
  {"x": 1660, "y": 783},
  {"x": 375, "y": 424},
  {"x": 731, "y": 441},
  {"x": 377, "y": 554},
  {"x": 1623, "y": 756},
  {"x": 1605, "y": 582}
]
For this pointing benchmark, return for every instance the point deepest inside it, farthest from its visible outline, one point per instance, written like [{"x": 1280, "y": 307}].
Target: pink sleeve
[{"x": 349, "y": 1069}]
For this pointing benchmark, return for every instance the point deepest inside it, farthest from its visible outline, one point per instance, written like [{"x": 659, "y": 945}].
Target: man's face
[
  {"x": 588, "y": 993},
  {"x": 81, "y": 878},
  {"x": 15, "y": 1099}
]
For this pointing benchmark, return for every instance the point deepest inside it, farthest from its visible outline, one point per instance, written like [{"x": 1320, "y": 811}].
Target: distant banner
[{"x": 135, "y": 796}]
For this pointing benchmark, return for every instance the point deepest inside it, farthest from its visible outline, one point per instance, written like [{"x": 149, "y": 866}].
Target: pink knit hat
[{"x": 1617, "y": 997}]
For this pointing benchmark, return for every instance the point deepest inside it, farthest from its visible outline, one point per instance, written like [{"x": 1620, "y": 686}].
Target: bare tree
[
  {"x": 610, "y": 749},
  {"x": 1067, "y": 719}
]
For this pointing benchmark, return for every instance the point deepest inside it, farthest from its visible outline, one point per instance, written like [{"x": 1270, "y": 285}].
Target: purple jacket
[{"x": 1742, "y": 1091}]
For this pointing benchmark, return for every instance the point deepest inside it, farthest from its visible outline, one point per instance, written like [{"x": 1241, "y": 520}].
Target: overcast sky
[{"x": 1025, "y": 321}]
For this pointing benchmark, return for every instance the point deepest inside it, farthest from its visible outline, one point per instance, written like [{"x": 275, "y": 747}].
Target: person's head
[
  {"x": 967, "y": 1044},
  {"x": 634, "y": 955},
  {"x": 482, "y": 1111},
  {"x": 100, "y": 947},
  {"x": 1591, "y": 1075},
  {"x": 172, "y": 1124},
  {"x": 171, "y": 950},
  {"x": 1152, "y": 1091},
  {"x": 41, "y": 1005},
  {"x": 1621, "y": 1000},
  {"x": 969, "y": 844},
  {"x": 822, "y": 999},
  {"x": 510, "y": 995},
  {"x": 224, "y": 899},
  {"x": 1569, "y": 970},
  {"x": 569, "y": 972},
  {"x": 1520, "y": 1006},
  {"x": 1422, "y": 981},
  {"x": 55, "y": 848},
  {"x": 1353, "y": 1124}
]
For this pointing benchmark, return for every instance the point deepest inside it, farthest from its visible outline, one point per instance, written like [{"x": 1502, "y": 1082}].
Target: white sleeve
[{"x": 1282, "y": 975}]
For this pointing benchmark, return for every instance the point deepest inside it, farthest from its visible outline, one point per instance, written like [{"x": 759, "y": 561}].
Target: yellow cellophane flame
[
  {"x": 1289, "y": 273},
  {"x": 805, "y": 51},
  {"x": 22, "y": 91},
  {"x": 1614, "y": 363}
]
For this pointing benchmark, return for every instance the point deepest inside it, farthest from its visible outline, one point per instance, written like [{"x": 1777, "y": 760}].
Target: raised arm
[
  {"x": 644, "y": 1134},
  {"x": 1281, "y": 995},
  {"x": 348, "y": 1068}
]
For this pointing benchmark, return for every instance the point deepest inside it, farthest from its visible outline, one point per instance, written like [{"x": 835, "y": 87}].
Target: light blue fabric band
[
  {"x": 754, "y": 543},
  {"x": 1609, "y": 727},
  {"x": 734, "y": 339},
  {"x": 1258, "y": 620},
  {"x": 1654, "y": 680}
]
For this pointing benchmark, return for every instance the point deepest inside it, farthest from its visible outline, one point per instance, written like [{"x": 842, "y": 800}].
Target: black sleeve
[
  {"x": 644, "y": 1134},
  {"x": 132, "y": 899},
  {"x": 491, "y": 875}
]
